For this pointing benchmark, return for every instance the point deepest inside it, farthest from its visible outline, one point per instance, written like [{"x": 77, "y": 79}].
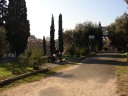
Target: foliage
[
  {"x": 44, "y": 45},
  {"x": 81, "y": 51},
  {"x": 77, "y": 41},
  {"x": 8, "y": 74},
  {"x": 69, "y": 43},
  {"x": 11, "y": 69},
  {"x": 118, "y": 32},
  {"x": 4, "y": 46},
  {"x": 52, "y": 41},
  {"x": 112, "y": 34},
  {"x": 60, "y": 37},
  {"x": 3, "y": 11},
  {"x": 35, "y": 57},
  {"x": 99, "y": 37},
  {"x": 60, "y": 34},
  {"x": 17, "y": 26},
  {"x": 122, "y": 75}
]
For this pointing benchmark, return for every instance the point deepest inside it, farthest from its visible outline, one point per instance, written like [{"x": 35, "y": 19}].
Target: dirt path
[{"x": 93, "y": 77}]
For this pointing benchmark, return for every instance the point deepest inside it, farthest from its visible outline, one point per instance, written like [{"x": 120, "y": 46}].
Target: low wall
[{"x": 10, "y": 80}]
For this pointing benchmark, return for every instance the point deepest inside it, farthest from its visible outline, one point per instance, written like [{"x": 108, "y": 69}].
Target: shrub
[
  {"x": 35, "y": 57},
  {"x": 4, "y": 46}
]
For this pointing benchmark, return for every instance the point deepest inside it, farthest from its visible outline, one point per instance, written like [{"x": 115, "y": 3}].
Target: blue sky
[{"x": 73, "y": 12}]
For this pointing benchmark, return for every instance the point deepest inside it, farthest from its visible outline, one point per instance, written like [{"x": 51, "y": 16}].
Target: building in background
[
  {"x": 33, "y": 41},
  {"x": 106, "y": 40}
]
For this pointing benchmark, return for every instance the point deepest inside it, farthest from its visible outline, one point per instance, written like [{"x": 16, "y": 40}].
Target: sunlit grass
[
  {"x": 122, "y": 70},
  {"x": 4, "y": 73},
  {"x": 122, "y": 76},
  {"x": 12, "y": 69},
  {"x": 36, "y": 77}
]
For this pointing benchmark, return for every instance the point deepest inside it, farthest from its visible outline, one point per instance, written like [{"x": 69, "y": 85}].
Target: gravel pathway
[{"x": 93, "y": 77}]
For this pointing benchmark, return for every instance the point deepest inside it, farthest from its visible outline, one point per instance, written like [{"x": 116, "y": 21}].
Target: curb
[{"x": 10, "y": 80}]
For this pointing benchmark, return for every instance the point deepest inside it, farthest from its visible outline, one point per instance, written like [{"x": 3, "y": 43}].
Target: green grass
[
  {"x": 122, "y": 70},
  {"x": 123, "y": 55},
  {"x": 29, "y": 79},
  {"x": 122, "y": 76},
  {"x": 36, "y": 77},
  {"x": 12, "y": 69}
]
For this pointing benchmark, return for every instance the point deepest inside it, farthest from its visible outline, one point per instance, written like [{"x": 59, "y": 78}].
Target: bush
[
  {"x": 105, "y": 48},
  {"x": 4, "y": 46},
  {"x": 81, "y": 52},
  {"x": 35, "y": 57}
]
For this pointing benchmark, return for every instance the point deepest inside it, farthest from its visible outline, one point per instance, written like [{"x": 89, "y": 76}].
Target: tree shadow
[
  {"x": 108, "y": 55},
  {"x": 62, "y": 75},
  {"x": 75, "y": 59},
  {"x": 106, "y": 62}
]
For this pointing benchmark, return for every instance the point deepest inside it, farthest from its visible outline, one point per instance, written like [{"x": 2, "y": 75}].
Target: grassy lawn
[
  {"x": 24, "y": 81},
  {"x": 122, "y": 76},
  {"x": 12, "y": 69}
]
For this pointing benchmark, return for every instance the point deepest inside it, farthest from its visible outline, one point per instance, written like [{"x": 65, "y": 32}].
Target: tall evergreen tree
[
  {"x": 44, "y": 45},
  {"x": 100, "y": 35},
  {"x": 60, "y": 33},
  {"x": 3, "y": 11},
  {"x": 52, "y": 41},
  {"x": 17, "y": 26}
]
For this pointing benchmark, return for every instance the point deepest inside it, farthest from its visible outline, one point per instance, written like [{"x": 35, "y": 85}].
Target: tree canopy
[
  {"x": 3, "y": 11},
  {"x": 118, "y": 32},
  {"x": 17, "y": 26},
  {"x": 3, "y": 42},
  {"x": 52, "y": 33},
  {"x": 44, "y": 45},
  {"x": 60, "y": 33},
  {"x": 77, "y": 41}
]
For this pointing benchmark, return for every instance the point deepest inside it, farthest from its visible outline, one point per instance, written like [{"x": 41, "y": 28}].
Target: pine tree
[
  {"x": 17, "y": 26},
  {"x": 60, "y": 33},
  {"x": 3, "y": 11},
  {"x": 44, "y": 45},
  {"x": 52, "y": 41}
]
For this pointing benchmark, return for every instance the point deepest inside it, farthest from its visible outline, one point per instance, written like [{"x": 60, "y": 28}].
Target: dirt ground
[{"x": 93, "y": 77}]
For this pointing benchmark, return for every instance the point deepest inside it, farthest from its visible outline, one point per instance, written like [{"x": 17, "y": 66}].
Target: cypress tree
[
  {"x": 44, "y": 45},
  {"x": 60, "y": 33},
  {"x": 3, "y": 11},
  {"x": 100, "y": 40},
  {"x": 52, "y": 41},
  {"x": 17, "y": 26}
]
